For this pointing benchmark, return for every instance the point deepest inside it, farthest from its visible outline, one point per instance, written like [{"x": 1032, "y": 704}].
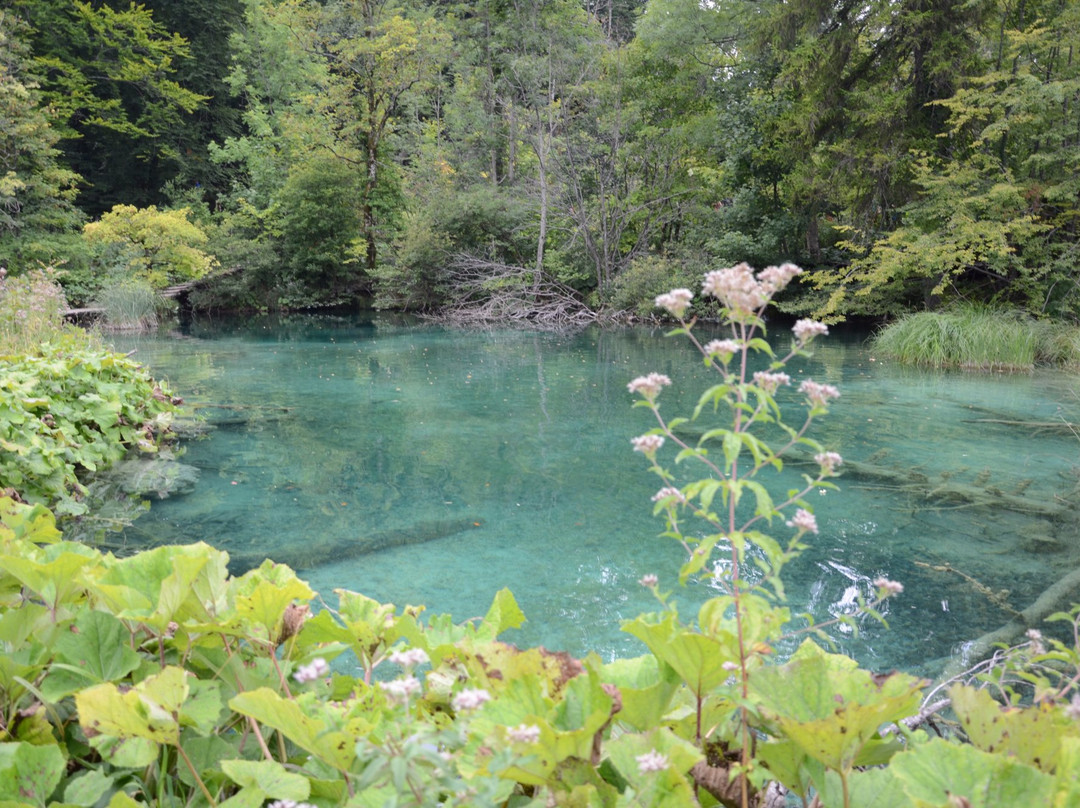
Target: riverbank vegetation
[
  {"x": 466, "y": 156},
  {"x": 978, "y": 338}
]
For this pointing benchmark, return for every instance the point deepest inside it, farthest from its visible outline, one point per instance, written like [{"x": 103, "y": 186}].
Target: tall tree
[
  {"x": 108, "y": 79},
  {"x": 36, "y": 190}
]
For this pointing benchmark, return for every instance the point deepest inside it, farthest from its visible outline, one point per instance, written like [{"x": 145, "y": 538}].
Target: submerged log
[
  {"x": 1058, "y": 598},
  {"x": 305, "y": 556}
]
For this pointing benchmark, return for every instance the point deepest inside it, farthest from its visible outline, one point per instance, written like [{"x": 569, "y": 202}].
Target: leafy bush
[
  {"x": 32, "y": 310},
  {"x": 70, "y": 410},
  {"x": 636, "y": 289},
  {"x": 161, "y": 247}
]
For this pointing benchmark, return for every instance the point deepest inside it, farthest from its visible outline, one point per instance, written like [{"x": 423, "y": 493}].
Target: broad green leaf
[
  {"x": 54, "y": 577},
  {"x": 310, "y": 733},
  {"x": 267, "y": 777},
  {"x": 829, "y": 707},
  {"x": 32, "y": 523},
  {"x": 97, "y": 649},
  {"x": 128, "y": 726},
  {"x": 938, "y": 774},
  {"x": 669, "y": 786},
  {"x": 1031, "y": 734},
  {"x": 29, "y": 773},
  {"x": 87, "y": 788},
  {"x": 878, "y": 788},
  {"x": 504, "y": 614},
  {"x": 699, "y": 660},
  {"x": 646, "y": 688}
]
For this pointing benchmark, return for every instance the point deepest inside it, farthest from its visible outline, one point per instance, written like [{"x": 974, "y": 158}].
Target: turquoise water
[{"x": 511, "y": 452}]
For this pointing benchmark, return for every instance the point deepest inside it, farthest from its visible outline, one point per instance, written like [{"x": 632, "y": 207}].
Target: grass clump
[
  {"x": 129, "y": 305},
  {"x": 978, "y": 338}
]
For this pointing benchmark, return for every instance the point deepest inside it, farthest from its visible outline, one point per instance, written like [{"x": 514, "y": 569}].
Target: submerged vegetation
[{"x": 978, "y": 338}]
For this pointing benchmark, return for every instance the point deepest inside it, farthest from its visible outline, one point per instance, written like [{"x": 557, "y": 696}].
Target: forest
[{"x": 562, "y": 156}]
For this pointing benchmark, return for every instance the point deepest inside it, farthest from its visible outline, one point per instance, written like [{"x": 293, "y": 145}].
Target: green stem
[{"x": 195, "y": 774}]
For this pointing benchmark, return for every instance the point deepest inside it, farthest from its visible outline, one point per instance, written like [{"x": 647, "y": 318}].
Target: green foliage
[
  {"x": 977, "y": 338},
  {"x": 32, "y": 313},
  {"x": 158, "y": 247},
  {"x": 129, "y": 305},
  {"x": 68, "y": 410},
  {"x": 321, "y": 236},
  {"x": 636, "y": 289}
]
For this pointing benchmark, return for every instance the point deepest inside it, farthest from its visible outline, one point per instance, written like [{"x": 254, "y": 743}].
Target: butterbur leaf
[
  {"x": 1030, "y": 734},
  {"x": 830, "y": 708},
  {"x": 306, "y": 730},
  {"x": 504, "y": 614},
  {"x": 96, "y": 650},
  {"x": 128, "y": 727},
  {"x": 939, "y": 773},
  {"x": 878, "y": 788},
  {"x": 646, "y": 688},
  {"x": 87, "y": 788},
  {"x": 699, "y": 660},
  {"x": 268, "y": 777},
  {"x": 29, "y": 774}
]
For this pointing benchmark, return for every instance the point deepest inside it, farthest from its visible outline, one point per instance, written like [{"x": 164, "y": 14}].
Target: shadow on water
[{"x": 418, "y": 465}]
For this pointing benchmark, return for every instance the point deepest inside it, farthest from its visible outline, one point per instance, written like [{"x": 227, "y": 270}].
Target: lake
[{"x": 476, "y": 460}]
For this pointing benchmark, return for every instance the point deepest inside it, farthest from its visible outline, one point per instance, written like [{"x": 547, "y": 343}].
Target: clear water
[{"x": 515, "y": 445}]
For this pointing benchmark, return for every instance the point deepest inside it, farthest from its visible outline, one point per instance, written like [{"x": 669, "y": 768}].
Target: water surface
[{"x": 509, "y": 452}]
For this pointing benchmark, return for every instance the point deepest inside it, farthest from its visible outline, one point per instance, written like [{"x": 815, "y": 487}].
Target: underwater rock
[{"x": 151, "y": 477}]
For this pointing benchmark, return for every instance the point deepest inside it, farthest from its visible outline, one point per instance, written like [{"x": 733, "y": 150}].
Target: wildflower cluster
[{"x": 316, "y": 669}]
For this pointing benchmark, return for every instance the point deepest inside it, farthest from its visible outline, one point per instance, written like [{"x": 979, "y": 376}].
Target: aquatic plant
[
  {"x": 130, "y": 304},
  {"x": 977, "y": 338}
]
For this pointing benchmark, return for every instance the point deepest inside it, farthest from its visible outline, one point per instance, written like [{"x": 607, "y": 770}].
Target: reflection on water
[{"x": 470, "y": 461}]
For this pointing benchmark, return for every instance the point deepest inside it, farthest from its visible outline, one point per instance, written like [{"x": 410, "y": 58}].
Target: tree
[
  {"x": 995, "y": 217},
  {"x": 373, "y": 57},
  {"x": 107, "y": 79},
  {"x": 157, "y": 246},
  {"x": 36, "y": 190}
]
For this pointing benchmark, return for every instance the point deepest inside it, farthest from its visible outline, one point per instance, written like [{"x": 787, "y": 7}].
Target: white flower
[
  {"x": 647, "y": 444},
  {"x": 669, "y": 491},
  {"x": 889, "y": 587},
  {"x": 803, "y": 520},
  {"x": 648, "y": 580},
  {"x": 400, "y": 690},
  {"x": 737, "y": 288},
  {"x": 409, "y": 658},
  {"x": 675, "y": 302},
  {"x": 770, "y": 382},
  {"x": 723, "y": 348},
  {"x": 316, "y": 669},
  {"x": 649, "y": 386},
  {"x": 470, "y": 699},
  {"x": 806, "y": 330},
  {"x": 818, "y": 394},
  {"x": 524, "y": 733},
  {"x": 829, "y": 462},
  {"x": 651, "y": 761},
  {"x": 773, "y": 279}
]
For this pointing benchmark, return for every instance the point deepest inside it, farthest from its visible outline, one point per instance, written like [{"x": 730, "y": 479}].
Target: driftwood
[
  {"x": 307, "y": 555},
  {"x": 1059, "y": 597},
  {"x": 943, "y": 488},
  {"x": 485, "y": 293}
]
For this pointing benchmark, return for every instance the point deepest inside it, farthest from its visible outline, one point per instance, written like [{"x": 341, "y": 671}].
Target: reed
[
  {"x": 978, "y": 338},
  {"x": 129, "y": 305}
]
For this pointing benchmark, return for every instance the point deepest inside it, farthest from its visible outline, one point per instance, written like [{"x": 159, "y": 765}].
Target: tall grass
[
  {"x": 129, "y": 305},
  {"x": 978, "y": 338}
]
